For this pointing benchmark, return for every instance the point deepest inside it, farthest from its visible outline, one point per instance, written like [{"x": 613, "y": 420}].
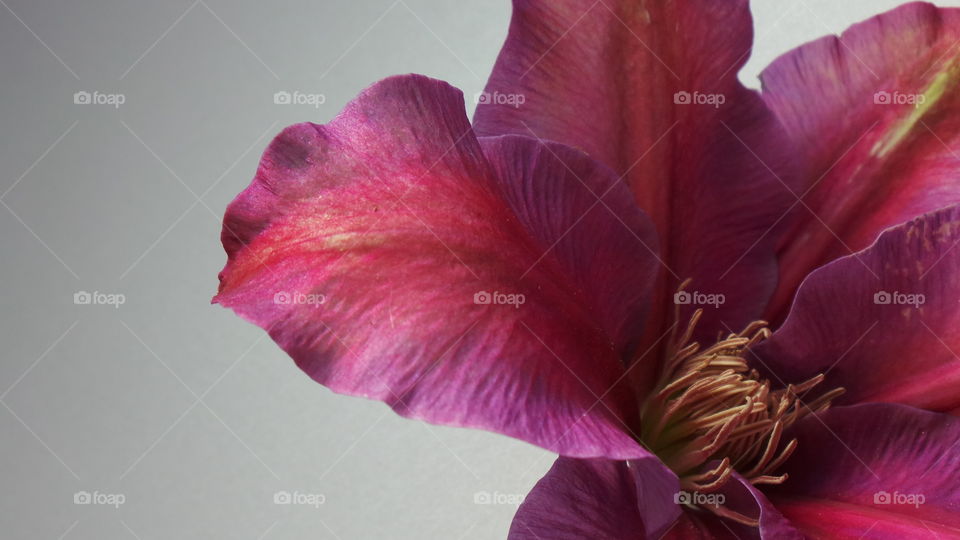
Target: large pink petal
[
  {"x": 874, "y": 471},
  {"x": 856, "y": 321},
  {"x": 599, "y": 499},
  {"x": 604, "y": 76},
  {"x": 394, "y": 217},
  {"x": 875, "y": 118}
]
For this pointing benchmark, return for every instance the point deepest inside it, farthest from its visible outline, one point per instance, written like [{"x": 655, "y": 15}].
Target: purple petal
[
  {"x": 394, "y": 260},
  {"x": 874, "y": 116},
  {"x": 624, "y": 81},
  {"x": 596, "y": 498},
  {"x": 874, "y": 471},
  {"x": 884, "y": 323}
]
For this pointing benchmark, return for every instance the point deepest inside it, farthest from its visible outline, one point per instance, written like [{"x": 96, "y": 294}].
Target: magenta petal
[
  {"x": 875, "y": 116},
  {"x": 874, "y": 471},
  {"x": 392, "y": 260},
  {"x": 638, "y": 86},
  {"x": 884, "y": 323},
  {"x": 596, "y": 498},
  {"x": 576, "y": 210}
]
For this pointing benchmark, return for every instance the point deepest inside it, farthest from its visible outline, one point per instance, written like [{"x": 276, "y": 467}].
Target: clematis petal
[
  {"x": 699, "y": 525},
  {"x": 598, "y": 498},
  {"x": 394, "y": 260},
  {"x": 884, "y": 323},
  {"x": 651, "y": 89},
  {"x": 874, "y": 471},
  {"x": 874, "y": 117}
]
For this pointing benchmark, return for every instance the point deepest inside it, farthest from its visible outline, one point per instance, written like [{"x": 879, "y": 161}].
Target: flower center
[{"x": 709, "y": 406}]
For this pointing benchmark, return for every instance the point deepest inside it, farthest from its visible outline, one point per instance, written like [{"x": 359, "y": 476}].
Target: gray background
[{"x": 189, "y": 413}]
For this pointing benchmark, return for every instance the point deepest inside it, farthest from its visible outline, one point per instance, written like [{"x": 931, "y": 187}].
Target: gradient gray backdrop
[{"x": 192, "y": 415}]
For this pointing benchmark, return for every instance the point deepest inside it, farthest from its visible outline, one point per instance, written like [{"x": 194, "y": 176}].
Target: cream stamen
[{"x": 709, "y": 405}]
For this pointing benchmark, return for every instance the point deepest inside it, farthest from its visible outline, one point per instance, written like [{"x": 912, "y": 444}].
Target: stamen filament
[{"x": 710, "y": 406}]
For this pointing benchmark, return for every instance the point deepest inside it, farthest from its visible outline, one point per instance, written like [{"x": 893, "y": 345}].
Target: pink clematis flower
[{"x": 588, "y": 268}]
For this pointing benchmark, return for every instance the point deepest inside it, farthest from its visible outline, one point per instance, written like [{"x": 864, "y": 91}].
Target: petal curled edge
[
  {"x": 874, "y": 116},
  {"x": 394, "y": 260},
  {"x": 651, "y": 89},
  {"x": 883, "y": 323},
  {"x": 874, "y": 471},
  {"x": 598, "y": 498},
  {"x": 738, "y": 495}
]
